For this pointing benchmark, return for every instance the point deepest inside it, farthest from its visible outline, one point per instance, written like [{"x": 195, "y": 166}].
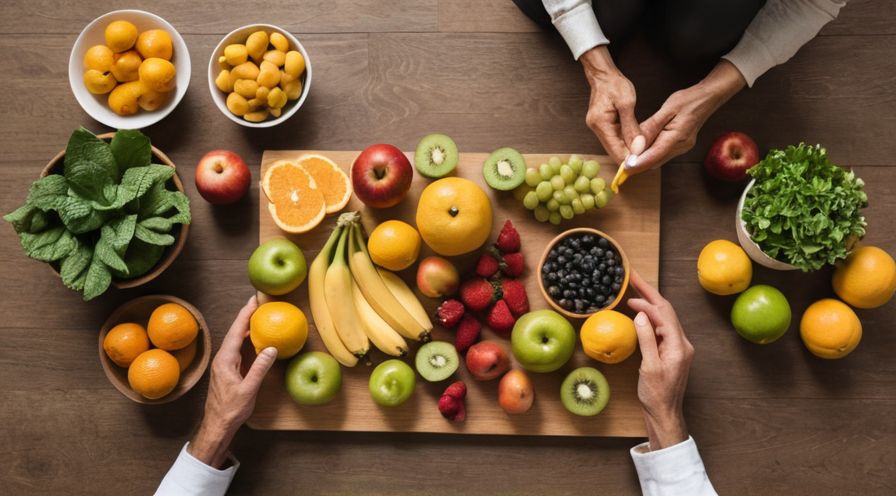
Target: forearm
[
  {"x": 211, "y": 443},
  {"x": 723, "y": 82}
]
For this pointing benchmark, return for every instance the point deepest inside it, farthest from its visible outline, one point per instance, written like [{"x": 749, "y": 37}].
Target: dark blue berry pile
[{"x": 583, "y": 273}]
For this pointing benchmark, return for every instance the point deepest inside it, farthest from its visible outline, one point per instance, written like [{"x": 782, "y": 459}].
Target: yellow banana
[
  {"x": 381, "y": 334},
  {"x": 406, "y": 297},
  {"x": 338, "y": 290},
  {"x": 323, "y": 322}
]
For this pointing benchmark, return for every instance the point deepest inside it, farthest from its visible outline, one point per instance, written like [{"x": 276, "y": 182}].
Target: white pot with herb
[{"x": 800, "y": 211}]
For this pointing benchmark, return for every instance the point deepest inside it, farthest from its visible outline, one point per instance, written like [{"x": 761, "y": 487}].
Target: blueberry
[
  {"x": 580, "y": 306},
  {"x": 606, "y": 281},
  {"x": 566, "y": 304},
  {"x": 604, "y": 290},
  {"x": 602, "y": 266},
  {"x": 617, "y": 279},
  {"x": 616, "y": 287},
  {"x": 561, "y": 260},
  {"x": 588, "y": 239},
  {"x": 551, "y": 276},
  {"x": 620, "y": 270},
  {"x": 573, "y": 285},
  {"x": 585, "y": 282},
  {"x": 603, "y": 243},
  {"x": 567, "y": 293},
  {"x": 590, "y": 293},
  {"x": 611, "y": 262},
  {"x": 554, "y": 291},
  {"x": 592, "y": 310},
  {"x": 600, "y": 299}
]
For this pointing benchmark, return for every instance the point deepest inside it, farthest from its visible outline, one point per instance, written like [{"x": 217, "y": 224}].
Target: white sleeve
[
  {"x": 189, "y": 476},
  {"x": 671, "y": 471},
  {"x": 779, "y": 29},
  {"x": 576, "y": 22}
]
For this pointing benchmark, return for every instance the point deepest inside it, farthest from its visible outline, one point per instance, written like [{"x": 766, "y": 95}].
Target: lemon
[
  {"x": 723, "y": 268},
  {"x": 608, "y": 336},
  {"x": 394, "y": 245}
]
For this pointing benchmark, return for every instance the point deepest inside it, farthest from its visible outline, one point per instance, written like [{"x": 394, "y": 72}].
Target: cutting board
[{"x": 632, "y": 218}]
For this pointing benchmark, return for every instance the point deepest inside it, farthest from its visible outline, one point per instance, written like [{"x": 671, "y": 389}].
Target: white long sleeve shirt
[
  {"x": 676, "y": 470},
  {"x": 779, "y": 29}
]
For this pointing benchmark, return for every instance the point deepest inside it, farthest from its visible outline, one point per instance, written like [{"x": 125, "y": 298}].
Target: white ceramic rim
[
  {"x": 750, "y": 246},
  {"x": 141, "y": 119},
  {"x": 220, "y": 99}
]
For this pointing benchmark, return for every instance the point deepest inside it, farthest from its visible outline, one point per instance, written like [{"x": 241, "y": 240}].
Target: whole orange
[
  {"x": 608, "y": 336},
  {"x": 867, "y": 278},
  {"x": 454, "y": 216},
  {"x": 186, "y": 355},
  {"x": 172, "y": 327},
  {"x": 124, "y": 342},
  {"x": 830, "y": 329},
  {"x": 154, "y": 374},
  {"x": 281, "y": 325}
]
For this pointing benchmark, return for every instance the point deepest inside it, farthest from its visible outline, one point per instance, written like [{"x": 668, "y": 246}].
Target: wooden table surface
[{"x": 768, "y": 420}]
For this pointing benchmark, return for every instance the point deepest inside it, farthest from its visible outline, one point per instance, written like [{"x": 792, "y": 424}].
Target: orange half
[
  {"x": 330, "y": 180},
  {"x": 296, "y": 205}
]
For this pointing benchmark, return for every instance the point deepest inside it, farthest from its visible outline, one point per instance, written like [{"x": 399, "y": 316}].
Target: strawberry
[
  {"x": 487, "y": 266},
  {"x": 456, "y": 390},
  {"x": 508, "y": 239},
  {"x": 449, "y": 313},
  {"x": 512, "y": 264},
  {"x": 451, "y": 404},
  {"x": 467, "y": 333},
  {"x": 514, "y": 295},
  {"x": 477, "y": 294},
  {"x": 500, "y": 319}
]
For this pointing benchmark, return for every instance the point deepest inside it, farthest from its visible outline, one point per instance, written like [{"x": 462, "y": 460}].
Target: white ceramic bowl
[
  {"x": 750, "y": 246},
  {"x": 95, "y": 105},
  {"x": 239, "y": 35}
]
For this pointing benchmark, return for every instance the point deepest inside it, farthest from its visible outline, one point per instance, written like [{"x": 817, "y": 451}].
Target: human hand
[
  {"x": 231, "y": 397},
  {"x": 673, "y": 129},
  {"x": 666, "y": 356},
  {"x": 611, "y": 111}
]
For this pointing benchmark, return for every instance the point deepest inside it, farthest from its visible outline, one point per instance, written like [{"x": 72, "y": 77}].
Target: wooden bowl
[
  {"x": 138, "y": 310},
  {"x": 179, "y": 231},
  {"x": 560, "y": 237}
]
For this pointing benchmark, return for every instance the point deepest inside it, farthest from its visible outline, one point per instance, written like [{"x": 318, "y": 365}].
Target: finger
[
  {"x": 260, "y": 367},
  {"x": 654, "y": 125},
  {"x": 664, "y": 148},
  {"x": 646, "y": 338},
  {"x": 237, "y": 333},
  {"x": 652, "y": 311},
  {"x": 629, "y": 126},
  {"x": 608, "y": 135},
  {"x": 648, "y": 292}
]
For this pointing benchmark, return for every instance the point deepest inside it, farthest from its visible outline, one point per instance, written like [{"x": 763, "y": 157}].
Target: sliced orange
[
  {"x": 296, "y": 205},
  {"x": 330, "y": 179}
]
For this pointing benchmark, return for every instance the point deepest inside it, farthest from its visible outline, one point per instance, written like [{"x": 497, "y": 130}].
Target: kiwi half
[
  {"x": 437, "y": 360},
  {"x": 585, "y": 392},
  {"x": 436, "y": 155},
  {"x": 504, "y": 169}
]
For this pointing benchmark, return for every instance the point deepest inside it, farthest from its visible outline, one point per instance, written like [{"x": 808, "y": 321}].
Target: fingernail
[
  {"x": 269, "y": 352},
  {"x": 638, "y": 144},
  {"x": 631, "y": 161},
  {"x": 641, "y": 319}
]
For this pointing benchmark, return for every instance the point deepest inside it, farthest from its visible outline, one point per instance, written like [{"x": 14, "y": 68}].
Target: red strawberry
[
  {"x": 500, "y": 319},
  {"x": 513, "y": 264},
  {"x": 451, "y": 404},
  {"x": 487, "y": 266},
  {"x": 467, "y": 333},
  {"x": 514, "y": 294},
  {"x": 508, "y": 239},
  {"x": 449, "y": 313},
  {"x": 456, "y": 390},
  {"x": 477, "y": 294}
]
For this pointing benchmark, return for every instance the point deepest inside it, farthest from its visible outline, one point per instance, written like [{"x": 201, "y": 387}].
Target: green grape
[
  {"x": 552, "y": 205},
  {"x": 554, "y": 218},
  {"x": 576, "y": 166},
  {"x": 582, "y": 184},
  {"x": 532, "y": 177},
  {"x": 521, "y": 191},
  {"x": 574, "y": 159},
  {"x": 597, "y": 185},
  {"x": 570, "y": 193},
  {"x": 578, "y": 207},
  {"x": 590, "y": 169},
  {"x": 531, "y": 200},
  {"x": 560, "y": 197},
  {"x": 542, "y": 213},
  {"x": 555, "y": 163},
  {"x": 567, "y": 174},
  {"x": 587, "y": 200},
  {"x": 557, "y": 183},
  {"x": 543, "y": 191},
  {"x": 602, "y": 198},
  {"x": 544, "y": 170},
  {"x": 566, "y": 212}
]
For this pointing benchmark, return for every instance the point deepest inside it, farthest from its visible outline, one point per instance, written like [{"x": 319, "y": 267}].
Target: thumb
[{"x": 263, "y": 362}]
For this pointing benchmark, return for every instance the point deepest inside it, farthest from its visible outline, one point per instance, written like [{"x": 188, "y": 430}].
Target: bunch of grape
[{"x": 556, "y": 191}]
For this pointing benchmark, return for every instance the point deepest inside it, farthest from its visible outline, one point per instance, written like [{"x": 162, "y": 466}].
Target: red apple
[
  {"x": 437, "y": 277},
  {"x": 381, "y": 176},
  {"x": 222, "y": 177},
  {"x": 487, "y": 360},
  {"x": 730, "y": 156},
  {"x": 515, "y": 392}
]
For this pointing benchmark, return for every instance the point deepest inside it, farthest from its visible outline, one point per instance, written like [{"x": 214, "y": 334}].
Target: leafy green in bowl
[
  {"x": 803, "y": 209},
  {"x": 108, "y": 215}
]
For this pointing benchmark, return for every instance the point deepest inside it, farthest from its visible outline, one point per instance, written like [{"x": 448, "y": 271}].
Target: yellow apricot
[
  {"x": 275, "y": 112},
  {"x": 276, "y": 98},
  {"x": 120, "y": 35},
  {"x": 286, "y": 78},
  {"x": 275, "y": 56},
  {"x": 269, "y": 74},
  {"x": 294, "y": 65},
  {"x": 126, "y": 66},
  {"x": 256, "y": 103},
  {"x": 158, "y": 74},
  {"x": 99, "y": 83},
  {"x": 246, "y": 70},
  {"x": 155, "y": 43},
  {"x": 236, "y": 104},
  {"x": 245, "y": 87},
  {"x": 152, "y": 100},
  {"x": 256, "y": 44},
  {"x": 224, "y": 81},
  {"x": 99, "y": 57},
  {"x": 257, "y": 116},
  {"x": 262, "y": 93},
  {"x": 123, "y": 98},
  {"x": 293, "y": 90},
  {"x": 279, "y": 41},
  {"x": 235, "y": 54}
]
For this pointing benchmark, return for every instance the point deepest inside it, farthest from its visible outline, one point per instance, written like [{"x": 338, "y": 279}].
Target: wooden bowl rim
[
  {"x": 597, "y": 232},
  {"x": 188, "y": 378},
  {"x": 171, "y": 252}
]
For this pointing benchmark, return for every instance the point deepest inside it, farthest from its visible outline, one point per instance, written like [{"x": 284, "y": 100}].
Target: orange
[
  {"x": 120, "y": 35},
  {"x": 155, "y": 43},
  {"x": 296, "y": 204},
  {"x": 867, "y": 279},
  {"x": 281, "y": 325},
  {"x": 830, "y": 329},
  {"x": 172, "y": 327},
  {"x": 124, "y": 342},
  {"x": 723, "y": 268},
  {"x": 185, "y": 355},
  {"x": 454, "y": 216},
  {"x": 158, "y": 74},
  {"x": 331, "y": 180},
  {"x": 608, "y": 336},
  {"x": 394, "y": 245},
  {"x": 154, "y": 374}
]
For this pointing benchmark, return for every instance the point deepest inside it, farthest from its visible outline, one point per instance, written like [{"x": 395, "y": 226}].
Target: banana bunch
[{"x": 354, "y": 303}]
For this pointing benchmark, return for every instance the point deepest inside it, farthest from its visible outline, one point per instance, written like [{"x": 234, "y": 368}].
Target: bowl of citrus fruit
[
  {"x": 128, "y": 69},
  {"x": 155, "y": 348}
]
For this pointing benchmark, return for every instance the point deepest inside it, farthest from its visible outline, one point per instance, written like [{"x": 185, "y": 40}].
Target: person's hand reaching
[
  {"x": 666, "y": 356},
  {"x": 611, "y": 111},
  {"x": 231, "y": 397}
]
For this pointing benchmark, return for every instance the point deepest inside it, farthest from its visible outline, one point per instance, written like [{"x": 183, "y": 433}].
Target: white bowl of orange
[{"x": 155, "y": 348}]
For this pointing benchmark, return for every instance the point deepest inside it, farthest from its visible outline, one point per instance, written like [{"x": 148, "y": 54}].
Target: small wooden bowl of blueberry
[{"x": 583, "y": 271}]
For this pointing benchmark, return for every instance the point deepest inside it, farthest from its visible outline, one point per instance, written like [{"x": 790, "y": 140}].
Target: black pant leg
[{"x": 700, "y": 31}]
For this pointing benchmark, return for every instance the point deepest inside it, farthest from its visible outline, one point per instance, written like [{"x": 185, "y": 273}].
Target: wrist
[
  {"x": 723, "y": 81},
  {"x": 211, "y": 443},
  {"x": 598, "y": 61},
  {"x": 665, "y": 430}
]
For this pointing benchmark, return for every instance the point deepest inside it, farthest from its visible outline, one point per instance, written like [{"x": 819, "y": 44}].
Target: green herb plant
[
  {"x": 804, "y": 209},
  {"x": 109, "y": 214}
]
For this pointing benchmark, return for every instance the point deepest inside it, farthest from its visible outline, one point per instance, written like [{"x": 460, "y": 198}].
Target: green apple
[
  {"x": 761, "y": 314},
  {"x": 542, "y": 341},
  {"x": 277, "y": 267},
  {"x": 313, "y": 378},
  {"x": 392, "y": 383}
]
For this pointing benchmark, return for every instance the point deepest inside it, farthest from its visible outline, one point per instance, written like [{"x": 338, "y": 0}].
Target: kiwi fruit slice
[
  {"x": 437, "y": 360},
  {"x": 585, "y": 392},
  {"x": 504, "y": 169},
  {"x": 436, "y": 155}
]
